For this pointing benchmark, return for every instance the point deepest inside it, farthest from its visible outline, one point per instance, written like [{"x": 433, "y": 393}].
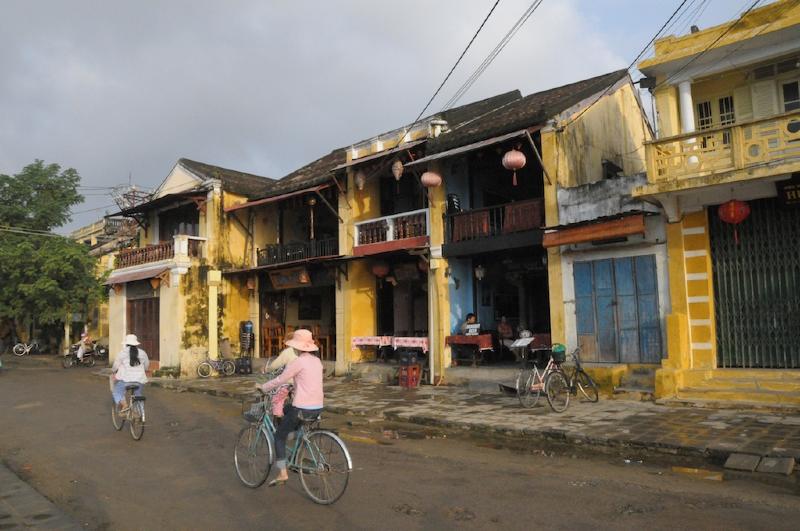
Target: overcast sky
[{"x": 118, "y": 88}]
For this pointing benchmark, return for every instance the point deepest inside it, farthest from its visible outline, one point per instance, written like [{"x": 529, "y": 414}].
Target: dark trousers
[{"x": 290, "y": 423}]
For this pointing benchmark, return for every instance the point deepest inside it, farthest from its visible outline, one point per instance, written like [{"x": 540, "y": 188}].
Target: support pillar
[
  {"x": 686, "y": 106},
  {"x": 214, "y": 281},
  {"x": 67, "y": 333}
]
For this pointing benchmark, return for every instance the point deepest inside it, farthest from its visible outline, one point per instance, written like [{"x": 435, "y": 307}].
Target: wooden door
[{"x": 143, "y": 321}]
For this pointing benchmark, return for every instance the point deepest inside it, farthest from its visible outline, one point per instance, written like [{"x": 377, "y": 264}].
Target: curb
[{"x": 24, "y": 507}]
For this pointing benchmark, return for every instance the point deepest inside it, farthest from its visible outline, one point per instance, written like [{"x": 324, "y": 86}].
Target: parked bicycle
[
  {"x": 21, "y": 349},
  {"x": 222, "y": 366},
  {"x": 531, "y": 383},
  {"x": 133, "y": 414},
  {"x": 320, "y": 457},
  {"x": 579, "y": 380}
]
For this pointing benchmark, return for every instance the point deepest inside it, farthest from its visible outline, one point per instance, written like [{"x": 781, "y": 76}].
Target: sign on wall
[{"x": 789, "y": 191}]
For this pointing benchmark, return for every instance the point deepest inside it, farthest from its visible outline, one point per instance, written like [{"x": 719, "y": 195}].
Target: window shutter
[
  {"x": 742, "y": 104},
  {"x": 765, "y": 99}
]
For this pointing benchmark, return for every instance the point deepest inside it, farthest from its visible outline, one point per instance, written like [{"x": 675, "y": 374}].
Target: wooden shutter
[
  {"x": 742, "y": 104},
  {"x": 765, "y": 99}
]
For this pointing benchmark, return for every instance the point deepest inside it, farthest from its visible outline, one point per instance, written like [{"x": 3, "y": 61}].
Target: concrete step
[
  {"x": 729, "y": 404},
  {"x": 744, "y": 395},
  {"x": 641, "y": 394}
]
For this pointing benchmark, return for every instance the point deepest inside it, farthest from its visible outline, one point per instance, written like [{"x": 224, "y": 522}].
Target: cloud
[{"x": 113, "y": 88}]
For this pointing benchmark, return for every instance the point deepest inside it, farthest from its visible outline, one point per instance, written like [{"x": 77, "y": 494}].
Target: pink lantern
[
  {"x": 431, "y": 179},
  {"x": 397, "y": 169},
  {"x": 514, "y": 160},
  {"x": 360, "y": 180},
  {"x": 380, "y": 269}
]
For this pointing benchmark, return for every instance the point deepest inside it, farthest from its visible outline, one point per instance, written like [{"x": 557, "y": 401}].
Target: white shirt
[{"x": 123, "y": 370}]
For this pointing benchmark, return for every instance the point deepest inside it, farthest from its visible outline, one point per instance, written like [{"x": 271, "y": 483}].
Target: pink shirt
[{"x": 307, "y": 373}]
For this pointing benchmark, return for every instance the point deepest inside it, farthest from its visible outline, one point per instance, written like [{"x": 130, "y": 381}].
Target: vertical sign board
[{"x": 789, "y": 191}]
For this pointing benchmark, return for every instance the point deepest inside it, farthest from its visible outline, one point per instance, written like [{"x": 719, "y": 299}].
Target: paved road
[{"x": 56, "y": 433}]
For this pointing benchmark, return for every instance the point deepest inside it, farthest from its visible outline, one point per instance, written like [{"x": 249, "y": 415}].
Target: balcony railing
[
  {"x": 722, "y": 149},
  {"x": 403, "y": 226},
  {"x": 494, "y": 221},
  {"x": 282, "y": 253},
  {"x": 181, "y": 247}
]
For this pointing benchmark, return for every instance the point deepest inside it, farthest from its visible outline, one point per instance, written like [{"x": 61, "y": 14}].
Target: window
[
  {"x": 704, "y": 117},
  {"x": 726, "y": 116},
  {"x": 791, "y": 96}
]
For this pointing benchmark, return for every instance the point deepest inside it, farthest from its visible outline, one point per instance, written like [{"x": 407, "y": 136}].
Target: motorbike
[{"x": 92, "y": 353}]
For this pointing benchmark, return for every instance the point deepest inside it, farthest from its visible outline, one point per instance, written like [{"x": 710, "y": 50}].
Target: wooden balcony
[
  {"x": 297, "y": 251},
  {"x": 769, "y": 146},
  {"x": 181, "y": 247},
  {"x": 493, "y": 228},
  {"x": 389, "y": 233}
]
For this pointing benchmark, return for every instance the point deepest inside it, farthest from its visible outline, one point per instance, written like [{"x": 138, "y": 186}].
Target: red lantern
[
  {"x": 514, "y": 160},
  {"x": 431, "y": 179},
  {"x": 380, "y": 269},
  {"x": 734, "y": 212}
]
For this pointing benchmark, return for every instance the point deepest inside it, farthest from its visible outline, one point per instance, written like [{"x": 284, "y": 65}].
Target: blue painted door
[{"x": 616, "y": 306}]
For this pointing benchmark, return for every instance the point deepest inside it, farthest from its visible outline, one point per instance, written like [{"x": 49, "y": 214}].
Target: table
[
  {"x": 482, "y": 342},
  {"x": 370, "y": 341},
  {"x": 410, "y": 342}
]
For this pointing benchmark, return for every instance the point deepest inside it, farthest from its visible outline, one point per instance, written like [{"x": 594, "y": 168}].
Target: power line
[
  {"x": 707, "y": 48},
  {"x": 460, "y": 57},
  {"x": 633, "y": 63},
  {"x": 29, "y": 232},
  {"x": 493, "y": 54}
]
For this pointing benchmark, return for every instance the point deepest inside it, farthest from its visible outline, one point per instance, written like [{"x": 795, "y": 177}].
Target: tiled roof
[
  {"x": 311, "y": 174},
  {"x": 246, "y": 184},
  {"x": 520, "y": 113}
]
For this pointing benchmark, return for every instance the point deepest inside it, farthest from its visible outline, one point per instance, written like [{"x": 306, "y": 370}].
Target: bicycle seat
[
  {"x": 138, "y": 399},
  {"x": 308, "y": 418},
  {"x": 131, "y": 387}
]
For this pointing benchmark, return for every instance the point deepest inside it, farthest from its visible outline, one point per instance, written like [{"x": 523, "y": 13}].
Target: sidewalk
[
  {"x": 22, "y": 507},
  {"x": 647, "y": 426}
]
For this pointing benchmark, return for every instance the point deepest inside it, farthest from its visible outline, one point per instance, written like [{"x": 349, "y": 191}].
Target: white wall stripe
[
  {"x": 693, "y": 254},
  {"x": 694, "y": 230},
  {"x": 702, "y": 298},
  {"x": 697, "y": 276},
  {"x": 701, "y": 346},
  {"x": 699, "y": 322}
]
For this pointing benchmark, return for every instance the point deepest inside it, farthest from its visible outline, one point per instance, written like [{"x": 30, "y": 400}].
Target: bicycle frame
[{"x": 538, "y": 378}]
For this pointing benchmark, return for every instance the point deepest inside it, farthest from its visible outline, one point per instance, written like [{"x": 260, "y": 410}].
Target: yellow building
[
  {"x": 728, "y": 151},
  {"x": 168, "y": 288}
]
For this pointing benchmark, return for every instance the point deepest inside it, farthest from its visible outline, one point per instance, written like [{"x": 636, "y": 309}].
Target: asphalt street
[{"x": 56, "y": 433}]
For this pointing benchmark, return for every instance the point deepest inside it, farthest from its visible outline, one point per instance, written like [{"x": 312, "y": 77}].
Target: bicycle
[
  {"x": 20, "y": 349},
  {"x": 134, "y": 413},
  {"x": 319, "y": 456},
  {"x": 530, "y": 384},
  {"x": 222, "y": 366},
  {"x": 579, "y": 380}
]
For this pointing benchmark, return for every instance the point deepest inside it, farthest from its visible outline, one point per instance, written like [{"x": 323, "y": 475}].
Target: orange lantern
[
  {"x": 514, "y": 160},
  {"x": 734, "y": 212},
  {"x": 155, "y": 282},
  {"x": 431, "y": 179},
  {"x": 380, "y": 269}
]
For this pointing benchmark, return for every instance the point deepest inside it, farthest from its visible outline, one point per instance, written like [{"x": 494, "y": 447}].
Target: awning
[
  {"x": 160, "y": 201},
  {"x": 401, "y": 147},
  {"x": 272, "y": 199},
  {"x": 473, "y": 146},
  {"x": 140, "y": 274},
  {"x": 595, "y": 231}
]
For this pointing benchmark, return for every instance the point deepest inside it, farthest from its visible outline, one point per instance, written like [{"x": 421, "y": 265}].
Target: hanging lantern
[
  {"x": 514, "y": 160},
  {"x": 422, "y": 265},
  {"x": 303, "y": 277},
  {"x": 480, "y": 272},
  {"x": 380, "y": 269},
  {"x": 734, "y": 212},
  {"x": 155, "y": 282},
  {"x": 431, "y": 179},
  {"x": 360, "y": 180},
  {"x": 251, "y": 283},
  {"x": 397, "y": 169}
]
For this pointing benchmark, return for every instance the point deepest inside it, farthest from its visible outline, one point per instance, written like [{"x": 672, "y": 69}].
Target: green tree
[{"x": 45, "y": 277}]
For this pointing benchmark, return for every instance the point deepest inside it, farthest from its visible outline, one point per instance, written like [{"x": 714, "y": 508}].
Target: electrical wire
[
  {"x": 460, "y": 57},
  {"x": 493, "y": 54},
  {"x": 29, "y": 232}
]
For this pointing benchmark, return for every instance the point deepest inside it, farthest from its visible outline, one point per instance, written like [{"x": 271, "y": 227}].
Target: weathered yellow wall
[
  {"x": 236, "y": 248},
  {"x": 235, "y": 307}
]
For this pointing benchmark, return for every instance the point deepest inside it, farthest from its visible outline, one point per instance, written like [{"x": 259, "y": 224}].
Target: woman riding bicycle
[
  {"x": 129, "y": 369},
  {"x": 307, "y": 372}
]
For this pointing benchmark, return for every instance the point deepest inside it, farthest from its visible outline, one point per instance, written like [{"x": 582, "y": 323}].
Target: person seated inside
[
  {"x": 471, "y": 319},
  {"x": 506, "y": 335}
]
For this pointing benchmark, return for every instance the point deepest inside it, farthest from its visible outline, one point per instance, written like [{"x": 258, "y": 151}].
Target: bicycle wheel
[
  {"x": 116, "y": 419},
  {"x": 528, "y": 397},
  {"x": 325, "y": 466},
  {"x": 91, "y": 362},
  {"x": 19, "y": 349},
  {"x": 557, "y": 391},
  {"x": 204, "y": 370},
  {"x": 228, "y": 367},
  {"x": 136, "y": 419},
  {"x": 587, "y": 387},
  {"x": 253, "y": 455},
  {"x": 67, "y": 361}
]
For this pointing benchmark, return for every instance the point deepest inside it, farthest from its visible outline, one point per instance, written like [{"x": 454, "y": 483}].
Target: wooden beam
[
  {"x": 538, "y": 156},
  {"x": 604, "y": 230}
]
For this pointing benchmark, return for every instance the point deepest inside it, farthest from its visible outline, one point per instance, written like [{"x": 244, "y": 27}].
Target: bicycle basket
[
  {"x": 255, "y": 412},
  {"x": 559, "y": 353}
]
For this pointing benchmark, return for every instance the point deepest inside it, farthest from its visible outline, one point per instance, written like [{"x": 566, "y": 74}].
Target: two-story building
[
  {"x": 725, "y": 168},
  {"x": 168, "y": 288}
]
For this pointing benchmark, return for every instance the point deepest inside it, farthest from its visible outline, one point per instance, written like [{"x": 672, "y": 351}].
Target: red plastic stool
[{"x": 408, "y": 375}]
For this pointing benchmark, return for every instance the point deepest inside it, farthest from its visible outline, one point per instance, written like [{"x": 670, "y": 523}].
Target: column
[
  {"x": 686, "y": 106},
  {"x": 214, "y": 280},
  {"x": 67, "y": 333}
]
